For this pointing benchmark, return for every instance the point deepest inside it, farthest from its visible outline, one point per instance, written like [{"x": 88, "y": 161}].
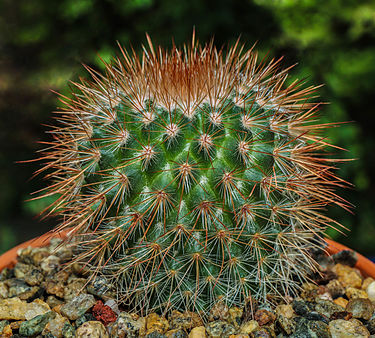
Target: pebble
[
  {"x": 219, "y": 328},
  {"x": 52, "y": 301},
  {"x": 3, "y": 323},
  {"x": 316, "y": 316},
  {"x": 3, "y": 290},
  {"x": 12, "y": 309},
  {"x": 54, "y": 287},
  {"x": 249, "y": 326},
  {"x": 55, "y": 326},
  {"x": 5, "y": 274},
  {"x": 36, "y": 325},
  {"x": 185, "y": 321},
  {"x": 347, "y": 276},
  {"x": 302, "y": 307},
  {"x": 235, "y": 316},
  {"x": 68, "y": 330},
  {"x": 7, "y": 331},
  {"x": 370, "y": 325},
  {"x": 263, "y": 332},
  {"x": 341, "y": 302},
  {"x": 127, "y": 325},
  {"x": 78, "y": 306},
  {"x": 18, "y": 288},
  {"x": 352, "y": 292},
  {"x": 84, "y": 318},
  {"x": 371, "y": 291},
  {"x": 360, "y": 308},
  {"x": 326, "y": 307},
  {"x": 50, "y": 264},
  {"x": 347, "y": 329},
  {"x": 309, "y": 291},
  {"x": 220, "y": 311},
  {"x": 21, "y": 269},
  {"x": 264, "y": 317},
  {"x": 335, "y": 288},
  {"x": 198, "y": 332},
  {"x": 103, "y": 313},
  {"x": 176, "y": 333},
  {"x": 310, "y": 328},
  {"x": 74, "y": 288},
  {"x": 34, "y": 277},
  {"x": 284, "y": 317},
  {"x": 101, "y": 287},
  {"x": 38, "y": 254},
  {"x": 92, "y": 329},
  {"x": 36, "y": 308},
  {"x": 156, "y": 323}
]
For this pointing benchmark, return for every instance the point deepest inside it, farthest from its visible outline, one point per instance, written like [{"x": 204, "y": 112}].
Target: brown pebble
[
  {"x": 54, "y": 288},
  {"x": 156, "y": 323},
  {"x": 335, "y": 288},
  {"x": 264, "y": 317},
  {"x": 341, "y": 301},
  {"x": 348, "y": 276},
  {"x": 7, "y": 331},
  {"x": 57, "y": 308}
]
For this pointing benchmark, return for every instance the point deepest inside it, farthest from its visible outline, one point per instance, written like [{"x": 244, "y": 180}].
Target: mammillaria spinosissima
[{"x": 192, "y": 175}]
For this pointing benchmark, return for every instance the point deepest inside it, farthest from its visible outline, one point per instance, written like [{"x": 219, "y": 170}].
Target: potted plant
[{"x": 193, "y": 176}]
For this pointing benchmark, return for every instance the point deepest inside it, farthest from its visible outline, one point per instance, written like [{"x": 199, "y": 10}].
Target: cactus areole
[{"x": 191, "y": 176}]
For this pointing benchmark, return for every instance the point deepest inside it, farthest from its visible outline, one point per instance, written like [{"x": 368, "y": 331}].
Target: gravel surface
[{"x": 41, "y": 297}]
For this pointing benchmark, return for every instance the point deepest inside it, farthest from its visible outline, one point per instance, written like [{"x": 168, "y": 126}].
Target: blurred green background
[{"x": 44, "y": 42}]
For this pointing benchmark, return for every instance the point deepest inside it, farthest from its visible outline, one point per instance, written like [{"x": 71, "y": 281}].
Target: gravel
[{"x": 42, "y": 296}]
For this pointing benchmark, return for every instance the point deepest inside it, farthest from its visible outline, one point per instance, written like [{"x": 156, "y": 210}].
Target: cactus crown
[{"x": 192, "y": 175}]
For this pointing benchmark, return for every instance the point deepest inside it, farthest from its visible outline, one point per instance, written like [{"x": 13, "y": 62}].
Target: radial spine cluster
[{"x": 191, "y": 176}]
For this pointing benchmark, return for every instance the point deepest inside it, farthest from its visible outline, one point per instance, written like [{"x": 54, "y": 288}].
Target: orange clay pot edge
[
  {"x": 366, "y": 266},
  {"x": 9, "y": 258}
]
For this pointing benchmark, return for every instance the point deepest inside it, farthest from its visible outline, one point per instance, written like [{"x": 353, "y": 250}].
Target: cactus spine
[{"x": 192, "y": 175}]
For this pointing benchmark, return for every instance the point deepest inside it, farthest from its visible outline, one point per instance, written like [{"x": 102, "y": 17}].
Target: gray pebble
[
  {"x": 220, "y": 328},
  {"x": 360, "y": 308},
  {"x": 78, "y": 306},
  {"x": 302, "y": 307},
  {"x": 326, "y": 307}
]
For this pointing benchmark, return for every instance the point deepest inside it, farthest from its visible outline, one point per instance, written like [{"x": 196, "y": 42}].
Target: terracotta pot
[{"x": 9, "y": 258}]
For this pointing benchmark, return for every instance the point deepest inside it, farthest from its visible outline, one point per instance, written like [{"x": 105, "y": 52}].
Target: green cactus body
[{"x": 191, "y": 176}]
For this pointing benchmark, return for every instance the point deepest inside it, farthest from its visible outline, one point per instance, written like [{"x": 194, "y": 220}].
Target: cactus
[{"x": 192, "y": 176}]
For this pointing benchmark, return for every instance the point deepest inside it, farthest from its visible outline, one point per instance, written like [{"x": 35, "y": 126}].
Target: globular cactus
[{"x": 191, "y": 176}]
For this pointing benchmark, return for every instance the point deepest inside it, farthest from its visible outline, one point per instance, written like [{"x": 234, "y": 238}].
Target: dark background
[{"x": 44, "y": 42}]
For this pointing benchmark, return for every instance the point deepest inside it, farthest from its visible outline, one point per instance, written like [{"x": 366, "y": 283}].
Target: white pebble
[{"x": 371, "y": 291}]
